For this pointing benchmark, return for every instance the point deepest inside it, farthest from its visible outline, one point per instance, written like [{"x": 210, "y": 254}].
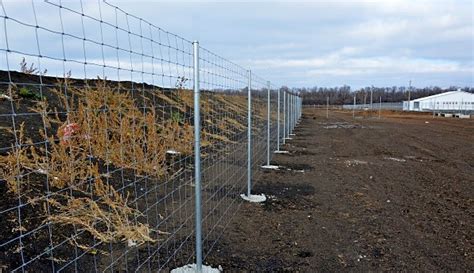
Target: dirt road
[{"x": 361, "y": 194}]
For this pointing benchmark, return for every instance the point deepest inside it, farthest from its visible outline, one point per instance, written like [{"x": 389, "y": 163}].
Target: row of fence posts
[
  {"x": 371, "y": 106},
  {"x": 291, "y": 114}
]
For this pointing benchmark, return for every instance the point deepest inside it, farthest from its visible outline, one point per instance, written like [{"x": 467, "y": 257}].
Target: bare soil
[{"x": 364, "y": 194}]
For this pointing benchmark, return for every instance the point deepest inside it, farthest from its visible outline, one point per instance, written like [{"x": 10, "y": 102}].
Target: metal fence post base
[
  {"x": 254, "y": 198},
  {"x": 191, "y": 268},
  {"x": 270, "y": 167}
]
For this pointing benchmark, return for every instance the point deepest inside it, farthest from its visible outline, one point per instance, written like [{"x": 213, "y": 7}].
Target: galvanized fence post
[
  {"x": 287, "y": 115},
  {"x": 290, "y": 115},
  {"x": 293, "y": 113},
  {"x": 278, "y": 121},
  {"x": 250, "y": 197},
  {"x": 380, "y": 106},
  {"x": 300, "y": 100},
  {"x": 288, "y": 101},
  {"x": 197, "y": 157},
  {"x": 288, "y": 111},
  {"x": 296, "y": 109},
  {"x": 249, "y": 135},
  {"x": 327, "y": 107},
  {"x": 284, "y": 117},
  {"x": 353, "y": 108},
  {"x": 299, "y": 107},
  {"x": 268, "y": 123}
]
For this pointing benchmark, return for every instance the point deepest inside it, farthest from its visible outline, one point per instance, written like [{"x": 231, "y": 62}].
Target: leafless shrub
[
  {"x": 109, "y": 218},
  {"x": 31, "y": 69}
]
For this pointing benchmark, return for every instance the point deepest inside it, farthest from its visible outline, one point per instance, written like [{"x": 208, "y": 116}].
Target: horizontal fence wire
[{"x": 96, "y": 149}]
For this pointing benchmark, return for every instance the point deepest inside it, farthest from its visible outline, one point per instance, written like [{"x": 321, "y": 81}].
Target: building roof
[{"x": 443, "y": 94}]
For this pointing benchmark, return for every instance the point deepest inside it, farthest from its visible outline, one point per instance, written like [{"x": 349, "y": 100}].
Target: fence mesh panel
[
  {"x": 223, "y": 110},
  {"x": 96, "y": 153}
]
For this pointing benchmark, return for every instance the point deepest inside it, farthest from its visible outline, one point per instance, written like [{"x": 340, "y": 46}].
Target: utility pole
[
  {"x": 354, "y": 107},
  {"x": 371, "y": 96},
  {"x": 409, "y": 93},
  {"x": 327, "y": 107},
  {"x": 380, "y": 106}
]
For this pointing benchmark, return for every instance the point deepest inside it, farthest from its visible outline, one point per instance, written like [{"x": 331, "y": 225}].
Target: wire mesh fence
[
  {"x": 97, "y": 149},
  {"x": 224, "y": 127}
]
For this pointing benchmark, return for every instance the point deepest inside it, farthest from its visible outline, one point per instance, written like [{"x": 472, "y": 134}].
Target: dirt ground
[{"x": 364, "y": 194}]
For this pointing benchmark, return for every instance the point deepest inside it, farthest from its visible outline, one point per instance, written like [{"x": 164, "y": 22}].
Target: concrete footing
[
  {"x": 254, "y": 198},
  {"x": 270, "y": 167},
  {"x": 191, "y": 268}
]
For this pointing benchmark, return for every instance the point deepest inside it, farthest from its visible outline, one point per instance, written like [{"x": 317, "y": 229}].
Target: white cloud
[
  {"x": 342, "y": 63},
  {"x": 287, "y": 43},
  {"x": 387, "y": 65},
  {"x": 379, "y": 29}
]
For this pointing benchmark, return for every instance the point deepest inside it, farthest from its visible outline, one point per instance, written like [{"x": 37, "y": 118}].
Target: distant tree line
[{"x": 344, "y": 94}]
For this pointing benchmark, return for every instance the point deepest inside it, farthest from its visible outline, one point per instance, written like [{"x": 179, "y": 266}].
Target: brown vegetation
[{"x": 91, "y": 129}]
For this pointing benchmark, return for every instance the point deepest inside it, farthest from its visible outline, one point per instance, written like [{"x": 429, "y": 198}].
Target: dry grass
[
  {"x": 11, "y": 165},
  {"x": 109, "y": 128},
  {"x": 108, "y": 219},
  {"x": 103, "y": 127},
  {"x": 178, "y": 137}
]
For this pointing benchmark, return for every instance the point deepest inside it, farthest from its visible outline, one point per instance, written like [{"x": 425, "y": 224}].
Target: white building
[{"x": 452, "y": 101}]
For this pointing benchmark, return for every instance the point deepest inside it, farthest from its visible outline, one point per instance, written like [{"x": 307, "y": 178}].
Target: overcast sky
[{"x": 329, "y": 43}]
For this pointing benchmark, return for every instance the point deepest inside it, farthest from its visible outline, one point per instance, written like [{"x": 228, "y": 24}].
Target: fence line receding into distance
[{"x": 98, "y": 125}]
